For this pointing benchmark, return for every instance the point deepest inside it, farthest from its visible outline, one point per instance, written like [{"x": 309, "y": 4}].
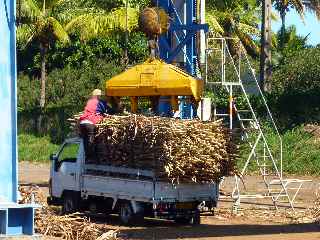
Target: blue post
[{"x": 15, "y": 219}]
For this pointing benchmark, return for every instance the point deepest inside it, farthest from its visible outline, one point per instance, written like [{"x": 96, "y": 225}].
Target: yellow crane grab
[{"x": 154, "y": 78}]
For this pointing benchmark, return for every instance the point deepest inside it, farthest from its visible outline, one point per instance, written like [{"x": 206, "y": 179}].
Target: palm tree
[
  {"x": 37, "y": 23},
  {"x": 235, "y": 19},
  {"x": 283, "y": 6}
]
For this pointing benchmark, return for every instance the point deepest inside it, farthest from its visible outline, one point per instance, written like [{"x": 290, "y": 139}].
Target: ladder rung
[
  {"x": 279, "y": 195},
  {"x": 246, "y": 119},
  {"x": 275, "y": 182},
  {"x": 254, "y": 196},
  {"x": 279, "y": 190},
  {"x": 243, "y": 111},
  {"x": 265, "y": 165},
  {"x": 231, "y": 83}
]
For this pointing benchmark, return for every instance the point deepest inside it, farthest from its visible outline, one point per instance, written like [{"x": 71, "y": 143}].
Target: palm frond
[
  {"x": 299, "y": 7},
  {"x": 313, "y": 6},
  {"x": 25, "y": 34},
  {"x": 92, "y": 25},
  {"x": 57, "y": 30},
  {"x": 249, "y": 44},
  {"x": 213, "y": 23},
  {"x": 30, "y": 9},
  {"x": 248, "y": 29},
  {"x": 50, "y": 4}
]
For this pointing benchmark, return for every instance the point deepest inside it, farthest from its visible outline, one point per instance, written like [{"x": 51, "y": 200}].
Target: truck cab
[{"x": 65, "y": 169}]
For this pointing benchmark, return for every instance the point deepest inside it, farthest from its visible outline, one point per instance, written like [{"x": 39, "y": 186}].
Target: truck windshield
[{"x": 69, "y": 153}]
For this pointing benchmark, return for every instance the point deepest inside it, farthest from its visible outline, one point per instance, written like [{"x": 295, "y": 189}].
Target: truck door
[{"x": 66, "y": 169}]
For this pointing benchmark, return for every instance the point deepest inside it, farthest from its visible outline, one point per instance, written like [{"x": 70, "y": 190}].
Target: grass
[
  {"x": 35, "y": 149},
  {"x": 301, "y": 152}
]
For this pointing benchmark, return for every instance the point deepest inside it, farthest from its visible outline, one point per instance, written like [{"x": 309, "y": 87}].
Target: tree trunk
[
  {"x": 283, "y": 28},
  {"x": 43, "y": 51},
  {"x": 265, "y": 53},
  {"x": 42, "y": 102}
]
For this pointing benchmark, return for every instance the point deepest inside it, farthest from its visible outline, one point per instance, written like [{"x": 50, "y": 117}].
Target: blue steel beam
[
  {"x": 182, "y": 31},
  {"x": 15, "y": 219}
]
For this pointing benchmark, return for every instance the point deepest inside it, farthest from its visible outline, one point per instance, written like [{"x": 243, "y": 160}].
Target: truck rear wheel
[
  {"x": 70, "y": 203},
  {"x": 193, "y": 220},
  {"x": 126, "y": 213}
]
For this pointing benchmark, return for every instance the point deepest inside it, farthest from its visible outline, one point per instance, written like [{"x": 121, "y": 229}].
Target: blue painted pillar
[
  {"x": 15, "y": 219},
  {"x": 8, "y": 101}
]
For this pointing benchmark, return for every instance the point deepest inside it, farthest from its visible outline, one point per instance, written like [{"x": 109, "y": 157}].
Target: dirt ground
[{"x": 252, "y": 221}]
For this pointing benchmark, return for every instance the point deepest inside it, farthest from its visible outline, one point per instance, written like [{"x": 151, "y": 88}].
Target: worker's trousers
[{"x": 88, "y": 132}]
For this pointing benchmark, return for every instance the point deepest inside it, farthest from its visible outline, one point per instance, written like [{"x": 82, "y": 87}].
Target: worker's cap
[{"x": 96, "y": 92}]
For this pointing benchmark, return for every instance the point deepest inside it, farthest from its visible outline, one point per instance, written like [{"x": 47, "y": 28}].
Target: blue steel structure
[
  {"x": 15, "y": 219},
  {"x": 181, "y": 39}
]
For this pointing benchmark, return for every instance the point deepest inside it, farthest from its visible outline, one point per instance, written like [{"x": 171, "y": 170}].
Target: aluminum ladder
[{"x": 263, "y": 153}]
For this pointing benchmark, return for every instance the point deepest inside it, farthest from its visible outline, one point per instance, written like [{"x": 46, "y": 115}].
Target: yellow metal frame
[{"x": 154, "y": 78}]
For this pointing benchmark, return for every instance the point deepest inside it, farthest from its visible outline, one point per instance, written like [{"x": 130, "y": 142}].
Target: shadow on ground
[{"x": 161, "y": 229}]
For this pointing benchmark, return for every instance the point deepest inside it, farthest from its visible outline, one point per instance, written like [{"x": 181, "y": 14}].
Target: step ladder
[{"x": 235, "y": 75}]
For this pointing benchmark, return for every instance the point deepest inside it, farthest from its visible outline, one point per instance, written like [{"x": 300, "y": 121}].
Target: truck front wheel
[
  {"x": 70, "y": 203},
  {"x": 126, "y": 213},
  {"x": 196, "y": 219}
]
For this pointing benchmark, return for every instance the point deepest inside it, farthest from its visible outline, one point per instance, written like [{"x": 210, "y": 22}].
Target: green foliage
[
  {"x": 287, "y": 45},
  {"x": 67, "y": 86},
  {"x": 296, "y": 88},
  {"x": 292, "y": 42},
  {"x": 28, "y": 92},
  {"x": 35, "y": 149},
  {"x": 109, "y": 49}
]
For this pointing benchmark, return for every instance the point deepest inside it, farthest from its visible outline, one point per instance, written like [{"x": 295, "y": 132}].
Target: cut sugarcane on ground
[
  {"x": 49, "y": 222},
  {"x": 176, "y": 150}
]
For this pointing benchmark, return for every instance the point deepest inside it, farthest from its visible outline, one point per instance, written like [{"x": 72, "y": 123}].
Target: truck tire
[
  {"x": 196, "y": 219},
  {"x": 70, "y": 203},
  {"x": 126, "y": 213},
  {"x": 193, "y": 220}
]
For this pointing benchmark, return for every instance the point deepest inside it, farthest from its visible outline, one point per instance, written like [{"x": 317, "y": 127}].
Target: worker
[{"x": 93, "y": 113}]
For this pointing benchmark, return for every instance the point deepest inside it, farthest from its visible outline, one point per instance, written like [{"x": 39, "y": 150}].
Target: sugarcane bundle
[
  {"x": 176, "y": 150},
  {"x": 154, "y": 21},
  {"x": 48, "y": 221}
]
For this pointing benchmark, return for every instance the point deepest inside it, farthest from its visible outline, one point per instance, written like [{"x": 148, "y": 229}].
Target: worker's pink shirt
[{"x": 90, "y": 112}]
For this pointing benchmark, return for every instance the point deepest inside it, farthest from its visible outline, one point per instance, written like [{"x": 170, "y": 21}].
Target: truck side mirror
[{"x": 53, "y": 157}]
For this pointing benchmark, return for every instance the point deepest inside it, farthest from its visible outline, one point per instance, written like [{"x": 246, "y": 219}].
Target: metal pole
[
  {"x": 265, "y": 56},
  {"x": 126, "y": 59}
]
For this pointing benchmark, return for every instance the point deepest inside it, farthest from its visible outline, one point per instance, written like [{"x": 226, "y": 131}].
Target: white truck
[{"x": 133, "y": 193}]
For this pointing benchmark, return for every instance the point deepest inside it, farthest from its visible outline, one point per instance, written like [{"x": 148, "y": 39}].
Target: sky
[{"x": 310, "y": 26}]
